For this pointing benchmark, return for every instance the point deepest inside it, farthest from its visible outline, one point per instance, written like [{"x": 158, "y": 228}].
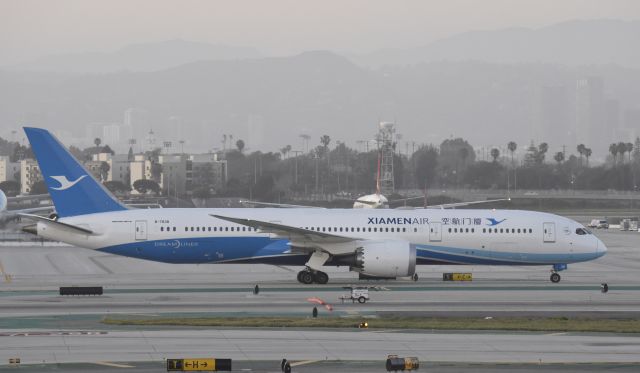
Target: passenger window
[
  {"x": 416, "y": 230},
  {"x": 530, "y": 230},
  {"x": 192, "y": 229},
  {"x": 404, "y": 229},
  {"x": 386, "y": 229},
  {"x": 484, "y": 230},
  {"x": 226, "y": 229},
  {"x": 473, "y": 230},
  {"x": 161, "y": 229}
]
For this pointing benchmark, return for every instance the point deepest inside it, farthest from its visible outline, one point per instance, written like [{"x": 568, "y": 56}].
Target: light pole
[{"x": 295, "y": 178}]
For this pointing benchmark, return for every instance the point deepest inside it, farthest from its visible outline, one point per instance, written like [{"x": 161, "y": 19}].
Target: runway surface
[
  {"x": 30, "y": 277},
  {"x": 250, "y": 345}
]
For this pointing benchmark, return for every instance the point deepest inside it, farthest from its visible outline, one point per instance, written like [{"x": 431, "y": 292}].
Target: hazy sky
[{"x": 30, "y": 28}]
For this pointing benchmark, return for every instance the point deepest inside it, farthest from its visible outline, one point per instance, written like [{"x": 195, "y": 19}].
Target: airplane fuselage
[{"x": 495, "y": 237}]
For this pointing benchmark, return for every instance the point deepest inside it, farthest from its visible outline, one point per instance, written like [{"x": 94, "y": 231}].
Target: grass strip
[{"x": 551, "y": 324}]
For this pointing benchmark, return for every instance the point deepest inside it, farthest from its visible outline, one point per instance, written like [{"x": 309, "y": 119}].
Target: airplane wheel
[
  {"x": 321, "y": 278},
  {"x": 555, "y": 278},
  {"x": 415, "y": 277},
  {"x": 306, "y": 277},
  {"x": 300, "y": 276}
]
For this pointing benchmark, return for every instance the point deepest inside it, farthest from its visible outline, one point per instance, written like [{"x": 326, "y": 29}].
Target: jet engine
[{"x": 386, "y": 258}]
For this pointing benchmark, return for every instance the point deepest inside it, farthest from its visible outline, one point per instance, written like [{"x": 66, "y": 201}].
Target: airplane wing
[
  {"x": 32, "y": 210},
  {"x": 66, "y": 226},
  {"x": 460, "y": 204},
  {"x": 286, "y": 231},
  {"x": 451, "y": 205},
  {"x": 271, "y": 204},
  {"x": 28, "y": 197}
]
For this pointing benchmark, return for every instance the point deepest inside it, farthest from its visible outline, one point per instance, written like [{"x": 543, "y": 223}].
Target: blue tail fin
[{"x": 73, "y": 190}]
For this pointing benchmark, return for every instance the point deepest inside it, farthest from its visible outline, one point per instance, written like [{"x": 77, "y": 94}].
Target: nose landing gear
[{"x": 555, "y": 276}]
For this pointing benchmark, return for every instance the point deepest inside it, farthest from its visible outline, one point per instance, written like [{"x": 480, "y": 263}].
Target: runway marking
[
  {"x": 555, "y": 334},
  {"x": 108, "y": 364},
  {"x": 7, "y": 277},
  {"x": 304, "y": 362}
]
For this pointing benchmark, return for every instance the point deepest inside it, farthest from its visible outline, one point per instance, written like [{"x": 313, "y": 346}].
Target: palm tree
[
  {"x": 622, "y": 148},
  {"x": 512, "y": 146},
  {"x": 495, "y": 153},
  {"x": 325, "y": 140},
  {"x": 240, "y": 145},
  {"x": 613, "y": 149},
  {"x": 559, "y": 157},
  {"x": 587, "y": 154},
  {"x": 581, "y": 149},
  {"x": 97, "y": 141},
  {"x": 629, "y": 150}
]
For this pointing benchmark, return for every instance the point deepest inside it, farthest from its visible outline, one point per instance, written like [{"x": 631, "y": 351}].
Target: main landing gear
[
  {"x": 309, "y": 276},
  {"x": 555, "y": 276}
]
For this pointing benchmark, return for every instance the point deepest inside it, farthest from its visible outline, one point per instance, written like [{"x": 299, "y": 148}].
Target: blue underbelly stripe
[{"x": 278, "y": 251}]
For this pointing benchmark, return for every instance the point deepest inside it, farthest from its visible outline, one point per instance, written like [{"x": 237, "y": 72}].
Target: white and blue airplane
[{"x": 383, "y": 243}]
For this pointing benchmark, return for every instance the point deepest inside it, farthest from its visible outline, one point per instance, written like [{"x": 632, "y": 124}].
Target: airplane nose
[{"x": 601, "y": 249}]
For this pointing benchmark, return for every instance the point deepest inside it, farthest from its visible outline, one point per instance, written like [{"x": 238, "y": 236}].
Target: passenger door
[
  {"x": 549, "y": 232},
  {"x": 435, "y": 232},
  {"x": 141, "y": 229}
]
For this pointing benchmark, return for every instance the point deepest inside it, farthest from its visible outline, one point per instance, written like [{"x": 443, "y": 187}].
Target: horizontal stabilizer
[{"x": 71, "y": 227}]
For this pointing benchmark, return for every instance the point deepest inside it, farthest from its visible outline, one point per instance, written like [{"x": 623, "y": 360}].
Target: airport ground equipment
[
  {"x": 599, "y": 224},
  {"x": 604, "y": 287},
  {"x": 14, "y": 361},
  {"x": 81, "y": 290},
  {"x": 357, "y": 293},
  {"x": 457, "y": 277},
  {"x": 395, "y": 363},
  {"x": 199, "y": 365}
]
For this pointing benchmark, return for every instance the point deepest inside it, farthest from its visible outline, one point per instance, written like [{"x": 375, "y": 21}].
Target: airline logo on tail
[{"x": 65, "y": 183}]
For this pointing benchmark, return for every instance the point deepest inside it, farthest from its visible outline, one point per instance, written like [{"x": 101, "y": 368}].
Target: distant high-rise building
[
  {"x": 8, "y": 170},
  {"x": 138, "y": 121},
  {"x": 255, "y": 132},
  {"x": 611, "y": 120},
  {"x": 589, "y": 115},
  {"x": 29, "y": 175},
  {"x": 111, "y": 135},
  {"x": 554, "y": 116}
]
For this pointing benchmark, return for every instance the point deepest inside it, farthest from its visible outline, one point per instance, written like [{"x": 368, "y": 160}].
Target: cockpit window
[{"x": 582, "y": 231}]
